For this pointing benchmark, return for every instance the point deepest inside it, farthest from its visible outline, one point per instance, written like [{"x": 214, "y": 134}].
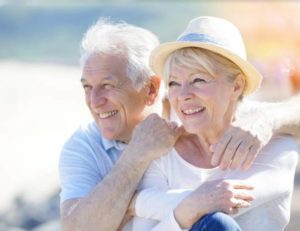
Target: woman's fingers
[{"x": 244, "y": 196}]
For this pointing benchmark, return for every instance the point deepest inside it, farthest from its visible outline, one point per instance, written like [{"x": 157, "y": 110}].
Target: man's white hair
[{"x": 134, "y": 43}]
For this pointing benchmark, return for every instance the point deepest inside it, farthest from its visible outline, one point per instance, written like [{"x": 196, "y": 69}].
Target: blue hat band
[{"x": 193, "y": 37}]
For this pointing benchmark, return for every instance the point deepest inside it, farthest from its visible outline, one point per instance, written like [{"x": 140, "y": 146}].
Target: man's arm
[
  {"x": 105, "y": 206},
  {"x": 287, "y": 116}
]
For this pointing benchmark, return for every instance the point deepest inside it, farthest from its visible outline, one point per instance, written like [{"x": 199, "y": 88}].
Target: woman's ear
[
  {"x": 153, "y": 86},
  {"x": 166, "y": 109},
  {"x": 239, "y": 85}
]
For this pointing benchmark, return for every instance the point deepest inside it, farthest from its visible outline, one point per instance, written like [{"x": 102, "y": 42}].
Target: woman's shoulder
[
  {"x": 281, "y": 151},
  {"x": 282, "y": 143}
]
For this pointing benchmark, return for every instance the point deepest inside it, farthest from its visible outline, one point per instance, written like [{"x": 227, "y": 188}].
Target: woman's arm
[
  {"x": 156, "y": 202},
  {"x": 272, "y": 173},
  {"x": 272, "y": 176},
  {"x": 276, "y": 164}
]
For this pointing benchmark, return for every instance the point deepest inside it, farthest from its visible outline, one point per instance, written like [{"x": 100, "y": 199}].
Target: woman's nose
[{"x": 185, "y": 92}]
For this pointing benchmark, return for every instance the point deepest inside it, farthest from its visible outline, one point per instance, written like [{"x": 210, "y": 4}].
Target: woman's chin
[{"x": 194, "y": 129}]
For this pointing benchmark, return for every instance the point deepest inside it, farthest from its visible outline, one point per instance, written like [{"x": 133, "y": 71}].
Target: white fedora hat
[{"x": 214, "y": 34}]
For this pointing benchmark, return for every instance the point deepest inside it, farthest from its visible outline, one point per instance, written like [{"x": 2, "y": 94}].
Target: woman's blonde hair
[{"x": 193, "y": 57}]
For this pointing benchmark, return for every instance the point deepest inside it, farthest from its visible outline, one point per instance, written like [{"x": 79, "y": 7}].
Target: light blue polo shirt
[{"x": 85, "y": 160}]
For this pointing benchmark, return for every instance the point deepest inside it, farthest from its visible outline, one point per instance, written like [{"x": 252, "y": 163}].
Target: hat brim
[{"x": 160, "y": 54}]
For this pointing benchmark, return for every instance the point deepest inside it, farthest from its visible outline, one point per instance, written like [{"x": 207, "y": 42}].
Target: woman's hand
[{"x": 216, "y": 196}]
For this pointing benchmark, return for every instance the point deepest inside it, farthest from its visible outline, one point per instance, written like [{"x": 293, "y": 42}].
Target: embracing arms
[
  {"x": 287, "y": 116},
  {"x": 271, "y": 175},
  {"x": 105, "y": 206},
  {"x": 255, "y": 124}
]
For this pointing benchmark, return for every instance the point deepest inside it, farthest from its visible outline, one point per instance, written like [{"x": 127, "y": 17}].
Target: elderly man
[{"x": 103, "y": 162}]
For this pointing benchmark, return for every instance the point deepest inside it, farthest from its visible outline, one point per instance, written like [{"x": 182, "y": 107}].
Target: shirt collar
[{"x": 108, "y": 144}]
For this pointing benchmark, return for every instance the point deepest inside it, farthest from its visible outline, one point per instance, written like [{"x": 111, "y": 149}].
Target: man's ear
[
  {"x": 153, "y": 89},
  {"x": 239, "y": 85}
]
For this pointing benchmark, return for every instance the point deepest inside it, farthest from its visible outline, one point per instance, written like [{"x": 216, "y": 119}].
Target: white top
[{"x": 170, "y": 178}]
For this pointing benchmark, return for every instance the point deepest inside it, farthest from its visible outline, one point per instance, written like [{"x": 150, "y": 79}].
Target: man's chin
[
  {"x": 109, "y": 135},
  {"x": 113, "y": 136}
]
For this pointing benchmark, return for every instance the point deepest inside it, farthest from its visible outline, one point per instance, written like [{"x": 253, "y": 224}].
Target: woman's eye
[
  {"x": 173, "y": 83},
  {"x": 199, "y": 80}
]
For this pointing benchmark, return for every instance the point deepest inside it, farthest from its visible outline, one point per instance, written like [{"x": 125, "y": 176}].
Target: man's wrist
[{"x": 136, "y": 156}]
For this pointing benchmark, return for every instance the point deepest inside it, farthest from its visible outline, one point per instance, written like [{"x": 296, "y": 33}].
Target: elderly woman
[{"x": 207, "y": 75}]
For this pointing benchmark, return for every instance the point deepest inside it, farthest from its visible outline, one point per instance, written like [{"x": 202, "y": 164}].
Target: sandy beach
[{"x": 41, "y": 105}]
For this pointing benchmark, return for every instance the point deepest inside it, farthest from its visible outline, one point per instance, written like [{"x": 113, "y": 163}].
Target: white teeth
[
  {"x": 192, "y": 111},
  {"x": 105, "y": 115}
]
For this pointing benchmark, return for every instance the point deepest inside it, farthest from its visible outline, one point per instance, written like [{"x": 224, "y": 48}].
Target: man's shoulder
[
  {"x": 85, "y": 132},
  {"x": 86, "y": 139}
]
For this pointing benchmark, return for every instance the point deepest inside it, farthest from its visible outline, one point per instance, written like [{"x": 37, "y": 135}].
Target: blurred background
[{"x": 41, "y": 101}]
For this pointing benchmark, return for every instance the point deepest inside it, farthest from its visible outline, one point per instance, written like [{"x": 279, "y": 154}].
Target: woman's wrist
[{"x": 186, "y": 214}]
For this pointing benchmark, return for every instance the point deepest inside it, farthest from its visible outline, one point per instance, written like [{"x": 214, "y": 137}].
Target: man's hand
[
  {"x": 242, "y": 141},
  {"x": 226, "y": 196},
  {"x": 155, "y": 136}
]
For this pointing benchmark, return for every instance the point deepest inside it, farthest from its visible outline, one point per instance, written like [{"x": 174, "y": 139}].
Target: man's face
[{"x": 116, "y": 106}]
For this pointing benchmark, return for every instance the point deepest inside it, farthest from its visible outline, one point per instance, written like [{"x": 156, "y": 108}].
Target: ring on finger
[{"x": 237, "y": 205}]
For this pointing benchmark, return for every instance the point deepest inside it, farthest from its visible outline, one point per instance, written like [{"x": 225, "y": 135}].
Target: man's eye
[
  {"x": 173, "y": 83},
  {"x": 86, "y": 87},
  {"x": 108, "y": 86}
]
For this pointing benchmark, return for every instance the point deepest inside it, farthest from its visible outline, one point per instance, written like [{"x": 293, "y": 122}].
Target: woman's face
[{"x": 203, "y": 103}]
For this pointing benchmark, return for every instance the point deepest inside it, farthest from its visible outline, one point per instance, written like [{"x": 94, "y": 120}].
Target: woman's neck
[
  {"x": 212, "y": 135},
  {"x": 191, "y": 150},
  {"x": 207, "y": 140},
  {"x": 196, "y": 148}
]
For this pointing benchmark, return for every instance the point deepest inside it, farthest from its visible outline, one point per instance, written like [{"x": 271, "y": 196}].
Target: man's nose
[{"x": 97, "y": 98}]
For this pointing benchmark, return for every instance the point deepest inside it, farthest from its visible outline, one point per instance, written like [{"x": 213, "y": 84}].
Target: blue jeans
[{"x": 216, "y": 222}]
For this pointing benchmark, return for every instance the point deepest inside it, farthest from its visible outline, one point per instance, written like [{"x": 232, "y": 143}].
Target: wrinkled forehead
[
  {"x": 106, "y": 65},
  {"x": 108, "y": 61}
]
